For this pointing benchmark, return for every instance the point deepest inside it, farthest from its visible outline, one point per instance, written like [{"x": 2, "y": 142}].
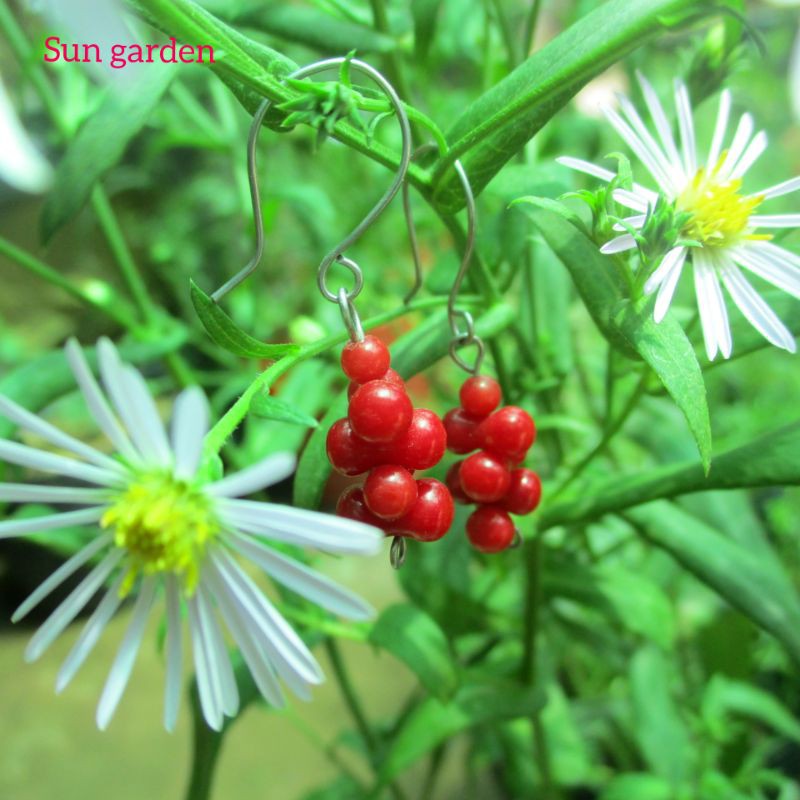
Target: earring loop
[
  {"x": 460, "y": 338},
  {"x": 336, "y": 254}
]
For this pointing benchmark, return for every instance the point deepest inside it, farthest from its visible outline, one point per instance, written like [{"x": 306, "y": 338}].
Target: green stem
[
  {"x": 505, "y": 31},
  {"x": 534, "y": 566},
  {"x": 608, "y": 434},
  {"x": 114, "y": 307},
  {"x": 122, "y": 254},
  {"x": 228, "y": 423},
  {"x": 434, "y": 770},
  {"x": 207, "y": 745},
  {"x": 531, "y": 23},
  {"x": 354, "y": 707}
]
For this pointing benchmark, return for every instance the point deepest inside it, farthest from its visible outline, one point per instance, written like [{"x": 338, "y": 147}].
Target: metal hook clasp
[
  {"x": 336, "y": 254},
  {"x": 461, "y": 338}
]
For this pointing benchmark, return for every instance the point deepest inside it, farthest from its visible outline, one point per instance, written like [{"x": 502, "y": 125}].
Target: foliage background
[{"x": 658, "y": 684}]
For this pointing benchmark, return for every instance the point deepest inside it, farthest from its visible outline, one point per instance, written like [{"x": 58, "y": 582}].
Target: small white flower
[
  {"x": 722, "y": 220},
  {"x": 166, "y": 530}
]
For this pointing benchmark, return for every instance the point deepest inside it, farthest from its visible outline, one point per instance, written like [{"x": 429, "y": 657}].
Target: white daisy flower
[
  {"x": 723, "y": 221},
  {"x": 165, "y": 530}
]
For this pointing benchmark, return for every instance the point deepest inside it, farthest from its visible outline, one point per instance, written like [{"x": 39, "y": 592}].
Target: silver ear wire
[
  {"x": 454, "y": 315},
  {"x": 336, "y": 254}
]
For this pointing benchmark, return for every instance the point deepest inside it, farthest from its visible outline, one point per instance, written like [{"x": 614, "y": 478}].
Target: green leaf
[
  {"x": 639, "y": 602},
  {"x": 658, "y": 727},
  {"x": 425, "y": 13},
  {"x": 769, "y": 460},
  {"x": 411, "y": 354},
  {"x": 316, "y": 29},
  {"x": 596, "y": 277},
  {"x": 45, "y": 378},
  {"x": 224, "y": 331},
  {"x": 433, "y": 721},
  {"x": 101, "y": 143},
  {"x": 638, "y": 786},
  {"x": 758, "y": 588},
  {"x": 495, "y": 127},
  {"x": 264, "y": 405},
  {"x": 724, "y": 698},
  {"x": 413, "y": 637},
  {"x": 668, "y": 352}
]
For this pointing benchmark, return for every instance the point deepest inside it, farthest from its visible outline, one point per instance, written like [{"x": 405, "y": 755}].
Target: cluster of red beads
[
  {"x": 491, "y": 476},
  {"x": 385, "y": 436}
]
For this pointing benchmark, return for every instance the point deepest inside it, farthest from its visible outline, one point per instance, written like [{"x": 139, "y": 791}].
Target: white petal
[
  {"x": 638, "y": 199},
  {"x": 238, "y": 623},
  {"x": 660, "y": 273},
  {"x": 21, "y": 164},
  {"x": 632, "y": 222},
  {"x": 305, "y": 581},
  {"x": 667, "y": 289},
  {"x": 67, "y": 569},
  {"x": 686, "y": 126},
  {"x": 37, "y": 425},
  {"x": 97, "y": 403},
  {"x": 659, "y": 119},
  {"x": 271, "y": 470},
  {"x": 71, "y": 606},
  {"x": 775, "y": 220},
  {"x": 49, "y": 522},
  {"x": 674, "y": 170},
  {"x": 742, "y": 136},
  {"x": 665, "y": 181},
  {"x": 115, "y": 383},
  {"x": 757, "y": 312},
  {"x": 174, "y": 648},
  {"x": 126, "y": 655},
  {"x": 32, "y": 493},
  {"x": 772, "y": 263},
  {"x": 218, "y": 655},
  {"x": 287, "y": 650},
  {"x": 711, "y": 303},
  {"x": 779, "y": 189},
  {"x": 210, "y": 700},
  {"x": 90, "y": 634},
  {"x": 720, "y": 129},
  {"x": 619, "y": 245},
  {"x": 754, "y": 150},
  {"x": 189, "y": 426},
  {"x": 50, "y": 462},
  {"x": 302, "y": 527},
  {"x": 150, "y": 426}
]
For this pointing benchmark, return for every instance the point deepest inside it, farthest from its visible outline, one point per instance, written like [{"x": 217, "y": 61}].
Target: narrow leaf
[
  {"x": 224, "y": 331},
  {"x": 264, "y": 405},
  {"x": 758, "y": 588},
  {"x": 101, "y": 143},
  {"x": 669, "y": 353},
  {"x": 412, "y": 636}
]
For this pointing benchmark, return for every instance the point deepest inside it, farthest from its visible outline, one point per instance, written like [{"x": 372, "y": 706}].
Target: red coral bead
[
  {"x": 453, "y": 483},
  {"x": 509, "y": 432},
  {"x": 480, "y": 395},
  {"x": 391, "y": 376},
  {"x": 423, "y": 444},
  {"x": 348, "y": 453},
  {"x": 365, "y": 361},
  {"x": 484, "y": 477},
  {"x": 524, "y": 492},
  {"x": 431, "y": 515},
  {"x": 352, "y": 505},
  {"x": 380, "y": 411},
  {"x": 390, "y": 491},
  {"x": 461, "y": 431},
  {"x": 490, "y": 529}
]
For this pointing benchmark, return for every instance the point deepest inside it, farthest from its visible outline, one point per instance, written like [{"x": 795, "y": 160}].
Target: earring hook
[
  {"x": 336, "y": 254},
  {"x": 454, "y": 314}
]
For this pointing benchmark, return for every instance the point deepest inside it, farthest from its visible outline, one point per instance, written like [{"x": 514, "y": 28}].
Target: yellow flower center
[
  {"x": 165, "y": 525},
  {"x": 720, "y": 214}
]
